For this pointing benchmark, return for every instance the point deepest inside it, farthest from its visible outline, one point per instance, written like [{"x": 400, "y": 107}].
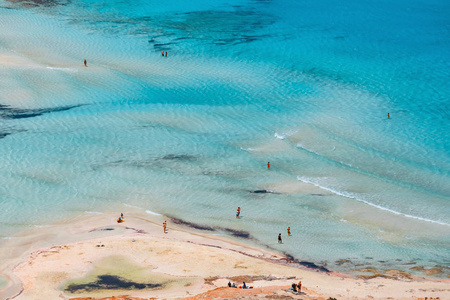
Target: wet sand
[{"x": 94, "y": 256}]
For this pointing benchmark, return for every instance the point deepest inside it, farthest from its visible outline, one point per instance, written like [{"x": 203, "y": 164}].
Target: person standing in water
[
  {"x": 268, "y": 165},
  {"x": 389, "y": 116},
  {"x": 85, "y": 63},
  {"x": 289, "y": 230},
  {"x": 238, "y": 212},
  {"x": 279, "y": 239}
]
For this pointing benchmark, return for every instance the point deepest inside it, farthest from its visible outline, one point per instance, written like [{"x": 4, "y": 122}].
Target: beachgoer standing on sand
[
  {"x": 299, "y": 286},
  {"x": 244, "y": 286},
  {"x": 289, "y": 230},
  {"x": 268, "y": 165},
  {"x": 238, "y": 212},
  {"x": 229, "y": 284},
  {"x": 164, "y": 226},
  {"x": 279, "y": 239},
  {"x": 85, "y": 63}
]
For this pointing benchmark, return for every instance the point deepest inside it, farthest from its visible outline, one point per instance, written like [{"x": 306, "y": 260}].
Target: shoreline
[{"x": 80, "y": 252}]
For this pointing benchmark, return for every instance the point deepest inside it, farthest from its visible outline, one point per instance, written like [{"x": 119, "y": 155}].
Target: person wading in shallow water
[
  {"x": 85, "y": 63},
  {"x": 279, "y": 239},
  {"x": 238, "y": 212},
  {"x": 289, "y": 230}
]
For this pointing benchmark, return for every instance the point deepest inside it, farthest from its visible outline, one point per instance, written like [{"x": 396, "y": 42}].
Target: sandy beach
[{"x": 94, "y": 257}]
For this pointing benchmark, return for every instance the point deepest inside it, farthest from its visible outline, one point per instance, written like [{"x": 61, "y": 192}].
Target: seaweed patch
[
  {"x": 109, "y": 282},
  {"x": 262, "y": 192},
  {"x": 12, "y": 113},
  {"x": 237, "y": 233},
  {"x": 191, "y": 225}
]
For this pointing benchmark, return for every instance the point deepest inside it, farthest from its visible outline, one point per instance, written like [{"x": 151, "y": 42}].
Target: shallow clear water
[{"x": 306, "y": 85}]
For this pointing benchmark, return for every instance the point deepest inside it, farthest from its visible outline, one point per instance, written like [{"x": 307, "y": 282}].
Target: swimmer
[
  {"x": 238, "y": 212},
  {"x": 164, "y": 226},
  {"x": 162, "y": 53},
  {"x": 85, "y": 63},
  {"x": 279, "y": 239},
  {"x": 389, "y": 116},
  {"x": 268, "y": 165},
  {"x": 166, "y": 54},
  {"x": 289, "y": 230}
]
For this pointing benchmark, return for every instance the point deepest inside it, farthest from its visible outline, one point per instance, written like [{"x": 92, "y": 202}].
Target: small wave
[
  {"x": 93, "y": 212},
  {"x": 153, "y": 213},
  {"x": 300, "y": 145},
  {"x": 353, "y": 196},
  {"x": 63, "y": 69},
  {"x": 280, "y": 136},
  {"x": 129, "y": 205},
  {"x": 248, "y": 149}
]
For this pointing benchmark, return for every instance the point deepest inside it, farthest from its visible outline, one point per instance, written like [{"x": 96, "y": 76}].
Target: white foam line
[
  {"x": 279, "y": 136},
  {"x": 153, "y": 213},
  {"x": 63, "y": 69},
  {"x": 132, "y": 206},
  {"x": 349, "y": 195},
  {"x": 248, "y": 149},
  {"x": 93, "y": 212}
]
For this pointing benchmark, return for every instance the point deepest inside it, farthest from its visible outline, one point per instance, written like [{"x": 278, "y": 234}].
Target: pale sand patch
[{"x": 185, "y": 263}]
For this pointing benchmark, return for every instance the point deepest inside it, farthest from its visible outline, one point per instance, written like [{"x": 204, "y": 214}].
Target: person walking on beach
[
  {"x": 164, "y": 226},
  {"x": 85, "y": 63},
  {"x": 289, "y": 230},
  {"x": 268, "y": 165},
  {"x": 238, "y": 212},
  {"x": 279, "y": 239}
]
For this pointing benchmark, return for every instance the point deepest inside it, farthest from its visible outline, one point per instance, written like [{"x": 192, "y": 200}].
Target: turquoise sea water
[{"x": 306, "y": 85}]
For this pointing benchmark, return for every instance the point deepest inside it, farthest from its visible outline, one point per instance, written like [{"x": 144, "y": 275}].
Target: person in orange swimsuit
[{"x": 289, "y": 230}]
